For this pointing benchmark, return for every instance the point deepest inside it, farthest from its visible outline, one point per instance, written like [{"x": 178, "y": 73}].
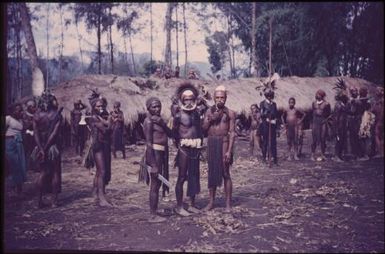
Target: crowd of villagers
[{"x": 34, "y": 139}]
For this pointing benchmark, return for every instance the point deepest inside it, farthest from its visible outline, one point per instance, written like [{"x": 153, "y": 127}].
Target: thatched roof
[{"x": 133, "y": 92}]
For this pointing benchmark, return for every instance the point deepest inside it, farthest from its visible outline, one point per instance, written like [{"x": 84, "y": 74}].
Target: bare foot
[
  {"x": 228, "y": 209},
  {"x": 104, "y": 203},
  {"x": 312, "y": 158},
  {"x": 193, "y": 209},
  {"x": 289, "y": 158},
  {"x": 156, "y": 219},
  {"x": 296, "y": 157},
  {"x": 208, "y": 207},
  {"x": 182, "y": 212}
]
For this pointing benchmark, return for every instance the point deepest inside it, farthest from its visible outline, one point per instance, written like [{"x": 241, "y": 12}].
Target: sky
[{"x": 141, "y": 41}]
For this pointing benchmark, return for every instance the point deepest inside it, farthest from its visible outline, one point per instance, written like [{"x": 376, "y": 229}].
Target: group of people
[
  {"x": 354, "y": 123},
  {"x": 194, "y": 126},
  {"x": 189, "y": 126},
  {"x": 167, "y": 73}
]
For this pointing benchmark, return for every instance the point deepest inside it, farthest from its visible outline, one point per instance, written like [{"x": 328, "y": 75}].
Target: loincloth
[
  {"x": 89, "y": 161},
  {"x": 192, "y": 155},
  {"x": 215, "y": 160}
]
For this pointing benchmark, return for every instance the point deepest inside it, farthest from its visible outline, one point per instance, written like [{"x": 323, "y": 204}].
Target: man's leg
[
  {"x": 251, "y": 145},
  {"x": 154, "y": 199},
  {"x": 228, "y": 185},
  {"x": 274, "y": 143},
  {"x": 182, "y": 171},
  {"x": 323, "y": 141},
  {"x": 100, "y": 173},
  {"x": 40, "y": 184},
  {"x": 56, "y": 182},
  {"x": 210, "y": 205}
]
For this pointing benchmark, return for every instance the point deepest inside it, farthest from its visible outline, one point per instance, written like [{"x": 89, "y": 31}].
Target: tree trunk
[
  {"x": 111, "y": 45},
  {"x": 270, "y": 38},
  {"x": 99, "y": 34},
  {"x": 80, "y": 45},
  {"x": 254, "y": 72},
  {"x": 168, "y": 27},
  {"x": 229, "y": 46},
  {"x": 61, "y": 44},
  {"x": 185, "y": 40},
  {"x": 37, "y": 75},
  {"x": 151, "y": 32},
  {"x": 176, "y": 32},
  {"x": 47, "y": 59},
  {"x": 132, "y": 54}
]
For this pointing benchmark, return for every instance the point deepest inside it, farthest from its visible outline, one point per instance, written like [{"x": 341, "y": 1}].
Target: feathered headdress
[
  {"x": 45, "y": 100},
  {"x": 185, "y": 86},
  {"x": 341, "y": 89},
  {"x": 94, "y": 97},
  {"x": 268, "y": 86}
]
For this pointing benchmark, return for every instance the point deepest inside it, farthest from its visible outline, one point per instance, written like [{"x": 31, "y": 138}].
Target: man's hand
[
  {"x": 41, "y": 155},
  {"x": 215, "y": 116},
  {"x": 227, "y": 157},
  {"x": 155, "y": 171},
  {"x": 158, "y": 120}
]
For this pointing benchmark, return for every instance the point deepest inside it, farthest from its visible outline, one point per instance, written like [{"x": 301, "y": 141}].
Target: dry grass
[{"x": 133, "y": 92}]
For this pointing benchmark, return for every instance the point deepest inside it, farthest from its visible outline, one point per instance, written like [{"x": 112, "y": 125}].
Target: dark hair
[
  {"x": 292, "y": 98},
  {"x": 11, "y": 108}
]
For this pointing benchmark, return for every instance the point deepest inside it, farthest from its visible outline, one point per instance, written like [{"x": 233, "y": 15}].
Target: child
[{"x": 292, "y": 118}]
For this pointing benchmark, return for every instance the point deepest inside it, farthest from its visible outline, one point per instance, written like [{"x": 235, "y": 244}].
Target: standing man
[
  {"x": 255, "y": 139},
  {"x": 100, "y": 150},
  {"x": 187, "y": 128},
  {"x": 354, "y": 121},
  {"x": 14, "y": 149},
  {"x": 117, "y": 130},
  {"x": 28, "y": 138},
  {"x": 340, "y": 116},
  {"x": 378, "y": 111},
  {"x": 269, "y": 116},
  {"x": 156, "y": 132},
  {"x": 76, "y": 115},
  {"x": 219, "y": 123},
  {"x": 47, "y": 127},
  {"x": 321, "y": 112}
]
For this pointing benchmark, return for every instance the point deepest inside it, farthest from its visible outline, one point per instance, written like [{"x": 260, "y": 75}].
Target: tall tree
[
  {"x": 176, "y": 34},
  {"x": 125, "y": 24},
  {"x": 185, "y": 39},
  {"x": 37, "y": 75},
  {"x": 94, "y": 17},
  {"x": 168, "y": 28},
  {"x": 47, "y": 56},
  {"x": 254, "y": 64}
]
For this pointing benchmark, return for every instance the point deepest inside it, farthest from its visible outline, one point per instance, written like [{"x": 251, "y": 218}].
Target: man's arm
[
  {"x": 36, "y": 131},
  {"x": 206, "y": 121},
  {"x": 231, "y": 135},
  {"x": 303, "y": 113},
  {"x": 150, "y": 154},
  {"x": 53, "y": 135}
]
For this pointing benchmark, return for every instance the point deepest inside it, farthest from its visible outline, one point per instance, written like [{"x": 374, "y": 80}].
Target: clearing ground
[{"x": 300, "y": 206}]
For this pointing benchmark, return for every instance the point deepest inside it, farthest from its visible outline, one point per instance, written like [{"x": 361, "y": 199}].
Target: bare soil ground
[{"x": 302, "y": 206}]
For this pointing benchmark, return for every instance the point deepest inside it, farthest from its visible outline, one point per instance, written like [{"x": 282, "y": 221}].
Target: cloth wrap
[
  {"x": 193, "y": 182},
  {"x": 16, "y": 157},
  {"x": 215, "y": 160},
  {"x": 163, "y": 169},
  {"x": 89, "y": 161}
]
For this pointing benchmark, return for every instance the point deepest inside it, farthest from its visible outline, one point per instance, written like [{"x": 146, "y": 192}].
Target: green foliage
[{"x": 217, "y": 48}]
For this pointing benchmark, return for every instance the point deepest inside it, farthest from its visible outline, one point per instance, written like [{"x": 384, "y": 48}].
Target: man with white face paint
[
  {"x": 219, "y": 123},
  {"x": 188, "y": 135}
]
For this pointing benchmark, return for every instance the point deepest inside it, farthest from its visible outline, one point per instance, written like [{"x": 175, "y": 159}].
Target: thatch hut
[{"x": 133, "y": 92}]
